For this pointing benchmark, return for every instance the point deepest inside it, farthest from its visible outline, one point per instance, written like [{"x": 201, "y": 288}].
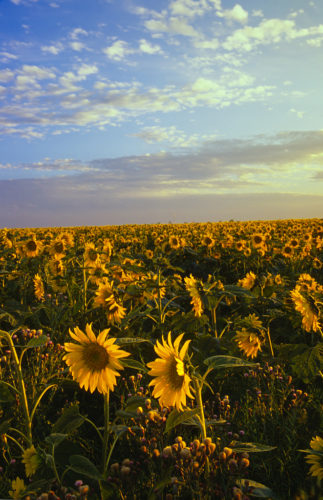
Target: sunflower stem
[
  {"x": 21, "y": 384},
  {"x": 270, "y": 344},
  {"x": 106, "y": 429}
]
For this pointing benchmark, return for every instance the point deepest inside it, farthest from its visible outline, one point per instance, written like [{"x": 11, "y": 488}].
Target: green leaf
[
  {"x": 55, "y": 438},
  {"x": 70, "y": 420},
  {"x": 119, "y": 429},
  {"x": 220, "y": 362},
  {"x": 257, "y": 489},
  {"x": 220, "y": 421},
  {"x": 6, "y": 395},
  {"x": 84, "y": 466},
  {"x": 36, "y": 342},
  {"x": 250, "y": 447},
  {"x": 308, "y": 364},
  {"x": 179, "y": 417},
  {"x": 133, "y": 363},
  {"x": 4, "y": 426},
  {"x": 134, "y": 402}
]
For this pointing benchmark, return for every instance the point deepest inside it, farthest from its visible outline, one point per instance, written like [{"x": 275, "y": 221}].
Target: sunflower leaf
[
  {"x": 70, "y": 420},
  {"x": 37, "y": 342},
  {"x": 179, "y": 417},
  {"x": 257, "y": 489},
  {"x": 133, "y": 363},
  {"x": 83, "y": 465},
  {"x": 250, "y": 447},
  {"x": 220, "y": 362}
]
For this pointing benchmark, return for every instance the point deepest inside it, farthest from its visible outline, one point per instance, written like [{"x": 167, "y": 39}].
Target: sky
[{"x": 144, "y": 111}]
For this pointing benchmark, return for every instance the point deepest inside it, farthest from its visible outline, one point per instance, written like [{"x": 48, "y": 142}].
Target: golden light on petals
[
  {"x": 94, "y": 361},
  {"x": 171, "y": 382}
]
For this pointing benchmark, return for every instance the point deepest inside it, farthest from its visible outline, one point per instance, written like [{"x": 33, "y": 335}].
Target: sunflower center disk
[
  {"x": 95, "y": 357},
  {"x": 176, "y": 373}
]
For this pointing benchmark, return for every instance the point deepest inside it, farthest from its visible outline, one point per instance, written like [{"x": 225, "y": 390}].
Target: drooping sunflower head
[
  {"x": 248, "y": 281},
  {"x": 249, "y": 342},
  {"x": 316, "y": 460},
  {"x": 305, "y": 304},
  {"x": 171, "y": 381},
  {"x": 94, "y": 361},
  {"x": 39, "y": 287}
]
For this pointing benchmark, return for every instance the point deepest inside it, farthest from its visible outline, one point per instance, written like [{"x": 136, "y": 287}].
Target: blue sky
[{"x": 141, "y": 111}]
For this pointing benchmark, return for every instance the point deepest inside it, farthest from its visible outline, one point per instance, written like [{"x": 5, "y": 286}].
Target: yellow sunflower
[
  {"x": 174, "y": 242},
  {"x": 105, "y": 297},
  {"x": 171, "y": 382},
  {"x": 316, "y": 461},
  {"x": 91, "y": 256},
  {"x": 18, "y": 487},
  {"x": 31, "y": 460},
  {"x": 31, "y": 247},
  {"x": 39, "y": 287},
  {"x": 248, "y": 281},
  {"x": 57, "y": 248},
  {"x": 191, "y": 285},
  {"x": 249, "y": 342},
  {"x": 308, "y": 310},
  {"x": 94, "y": 361}
]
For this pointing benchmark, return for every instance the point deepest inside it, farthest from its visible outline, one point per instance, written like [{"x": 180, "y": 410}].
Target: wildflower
[
  {"x": 39, "y": 287},
  {"x": 172, "y": 384},
  {"x": 95, "y": 360},
  {"x": 208, "y": 241},
  {"x": 18, "y": 487},
  {"x": 306, "y": 306},
  {"x": 316, "y": 460},
  {"x": 249, "y": 342},
  {"x": 31, "y": 460}
]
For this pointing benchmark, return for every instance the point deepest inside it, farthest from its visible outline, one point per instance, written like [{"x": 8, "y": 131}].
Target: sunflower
[
  {"x": 171, "y": 382},
  {"x": 316, "y": 461},
  {"x": 57, "y": 248},
  {"x": 94, "y": 362},
  {"x": 31, "y": 247},
  {"x": 31, "y": 460},
  {"x": 258, "y": 240},
  {"x": 18, "y": 487},
  {"x": 174, "y": 242},
  {"x": 287, "y": 251},
  {"x": 39, "y": 287},
  {"x": 191, "y": 285},
  {"x": 308, "y": 310},
  {"x": 105, "y": 297},
  {"x": 248, "y": 281},
  {"x": 208, "y": 241},
  {"x": 96, "y": 272},
  {"x": 250, "y": 343},
  {"x": 91, "y": 256}
]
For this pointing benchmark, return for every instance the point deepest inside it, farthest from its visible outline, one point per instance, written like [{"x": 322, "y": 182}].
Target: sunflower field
[{"x": 165, "y": 361}]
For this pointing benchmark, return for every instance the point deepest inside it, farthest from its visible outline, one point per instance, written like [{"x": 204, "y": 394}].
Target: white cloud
[
  {"x": 237, "y": 13},
  {"x": 6, "y": 75},
  {"x": 118, "y": 50},
  {"x": 147, "y": 48},
  {"x": 77, "y": 46},
  {"x": 87, "y": 69},
  {"x": 77, "y": 32},
  {"x": 53, "y": 49}
]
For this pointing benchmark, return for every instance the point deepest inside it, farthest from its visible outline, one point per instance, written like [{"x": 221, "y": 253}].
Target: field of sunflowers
[{"x": 166, "y": 361}]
